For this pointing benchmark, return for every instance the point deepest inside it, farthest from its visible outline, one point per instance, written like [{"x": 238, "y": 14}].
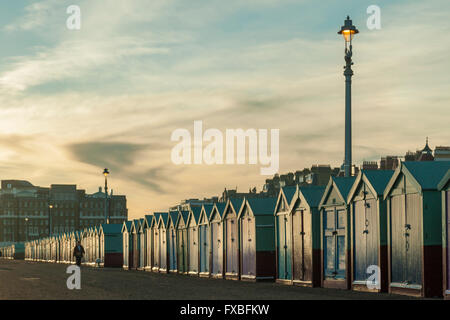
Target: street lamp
[
  {"x": 50, "y": 207},
  {"x": 106, "y": 173},
  {"x": 26, "y": 229},
  {"x": 348, "y": 30}
]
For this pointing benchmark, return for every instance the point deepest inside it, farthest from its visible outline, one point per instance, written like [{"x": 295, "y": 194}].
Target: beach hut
[
  {"x": 415, "y": 228},
  {"x": 192, "y": 234},
  {"x": 182, "y": 242},
  {"x": 305, "y": 235},
  {"x": 172, "y": 241},
  {"x": 283, "y": 237},
  {"x": 162, "y": 230},
  {"x": 217, "y": 240},
  {"x": 204, "y": 235},
  {"x": 135, "y": 244},
  {"x": 444, "y": 187},
  {"x": 334, "y": 215},
  {"x": 231, "y": 237},
  {"x": 148, "y": 219},
  {"x": 257, "y": 239},
  {"x": 127, "y": 247},
  {"x": 368, "y": 223},
  {"x": 156, "y": 242},
  {"x": 111, "y": 245},
  {"x": 142, "y": 232}
]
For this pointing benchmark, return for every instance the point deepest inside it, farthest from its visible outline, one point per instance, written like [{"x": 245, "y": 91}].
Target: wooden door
[
  {"x": 284, "y": 248},
  {"x": 302, "y": 246},
  {"x": 156, "y": 252},
  {"x": 193, "y": 249},
  {"x": 217, "y": 247},
  {"x": 248, "y": 246},
  {"x": 334, "y": 243},
  {"x": 204, "y": 247},
  {"x": 231, "y": 246},
  {"x": 163, "y": 249},
  {"x": 398, "y": 242},
  {"x": 413, "y": 232}
]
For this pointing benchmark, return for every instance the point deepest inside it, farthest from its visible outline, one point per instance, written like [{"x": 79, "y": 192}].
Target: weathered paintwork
[
  {"x": 172, "y": 241},
  {"x": 231, "y": 237},
  {"x": 415, "y": 228},
  {"x": 217, "y": 240},
  {"x": 368, "y": 223},
  {"x": 335, "y": 233},
  {"x": 193, "y": 240},
  {"x": 127, "y": 250},
  {"x": 182, "y": 242},
  {"x": 204, "y": 234},
  {"x": 283, "y": 237},
  {"x": 257, "y": 239}
]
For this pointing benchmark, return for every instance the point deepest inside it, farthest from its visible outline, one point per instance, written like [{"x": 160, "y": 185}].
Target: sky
[{"x": 110, "y": 94}]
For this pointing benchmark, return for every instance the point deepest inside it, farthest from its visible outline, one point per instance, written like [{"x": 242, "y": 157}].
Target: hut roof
[
  {"x": 262, "y": 206},
  {"x": 312, "y": 194},
  {"x": 427, "y": 173}
]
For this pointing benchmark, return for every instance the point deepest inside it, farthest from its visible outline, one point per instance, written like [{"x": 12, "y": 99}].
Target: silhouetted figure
[{"x": 78, "y": 252}]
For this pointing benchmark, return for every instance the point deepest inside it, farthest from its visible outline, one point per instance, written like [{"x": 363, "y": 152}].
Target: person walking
[{"x": 78, "y": 253}]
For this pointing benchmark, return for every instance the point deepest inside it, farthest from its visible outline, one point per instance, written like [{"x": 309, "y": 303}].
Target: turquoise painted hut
[
  {"x": 172, "y": 241},
  {"x": 335, "y": 234},
  {"x": 368, "y": 230},
  {"x": 163, "y": 243},
  {"x": 147, "y": 226},
  {"x": 193, "y": 240},
  {"x": 231, "y": 237},
  {"x": 127, "y": 245},
  {"x": 415, "y": 228},
  {"x": 182, "y": 242},
  {"x": 257, "y": 239},
  {"x": 305, "y": 235},
  {"x": 283, "y": 243},
  {"x": 204, "y": 235},
  {"x": 217, "y": 240},
  {"x": 111, "y": 244}
]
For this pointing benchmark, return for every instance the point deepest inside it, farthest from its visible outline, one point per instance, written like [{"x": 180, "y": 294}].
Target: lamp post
[
  {"x": 348, "y": 30},
  {"x": 26, "y": 229},
  {"x": 106, "y": 173},
  {"x": 50, "y": 207}
]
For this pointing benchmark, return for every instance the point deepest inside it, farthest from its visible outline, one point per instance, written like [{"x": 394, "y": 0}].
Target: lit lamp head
[
  {"x": 105, "y": 172},
  {"x": 348, "y": 30},
  {"x": 50, "y": 206}
]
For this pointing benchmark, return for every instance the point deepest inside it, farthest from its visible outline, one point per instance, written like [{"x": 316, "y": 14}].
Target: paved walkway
[{"x": 38, "y": 280}]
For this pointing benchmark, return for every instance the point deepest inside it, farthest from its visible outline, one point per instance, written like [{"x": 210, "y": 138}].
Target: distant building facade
[{"x": 30, "y": 212}]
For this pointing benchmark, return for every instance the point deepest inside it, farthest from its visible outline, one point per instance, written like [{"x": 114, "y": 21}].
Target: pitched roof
[
  {"x": 208, "y": 209},
  {"x": 236, "y": 203},
  {"x": 289, "y": 193},
  {"x": 312, "y": 194},
  {"x": 428, "y": 173},
  {"x": 344, "y": 184},
  {"x": 164, "y": 216},
  {"x": 174, "y": 216},
  {"x": 111, "y": 228},
  {"x": 196, "y": 213},
  {"x": 262, "y": 206},
  {"x": 378, "y": 179},
  {"x": 220, "y": 207}
]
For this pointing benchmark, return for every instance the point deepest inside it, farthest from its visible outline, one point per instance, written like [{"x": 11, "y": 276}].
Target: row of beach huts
[{"x": 381, "y": 231}]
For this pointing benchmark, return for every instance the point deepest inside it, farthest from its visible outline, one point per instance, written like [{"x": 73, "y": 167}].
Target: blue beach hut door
[{"x": 334, "y": 243}]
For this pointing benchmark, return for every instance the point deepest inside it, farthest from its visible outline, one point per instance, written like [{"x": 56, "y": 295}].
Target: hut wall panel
[
  {"x": 193, "y": 249},
  {"x": 172, "y": 250},
  {"x": 204, "y": 248},
  {"x": 217, "y": 248},
  {"x": 248, "y": 247},
  {"x": 232, "y": 249}
]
